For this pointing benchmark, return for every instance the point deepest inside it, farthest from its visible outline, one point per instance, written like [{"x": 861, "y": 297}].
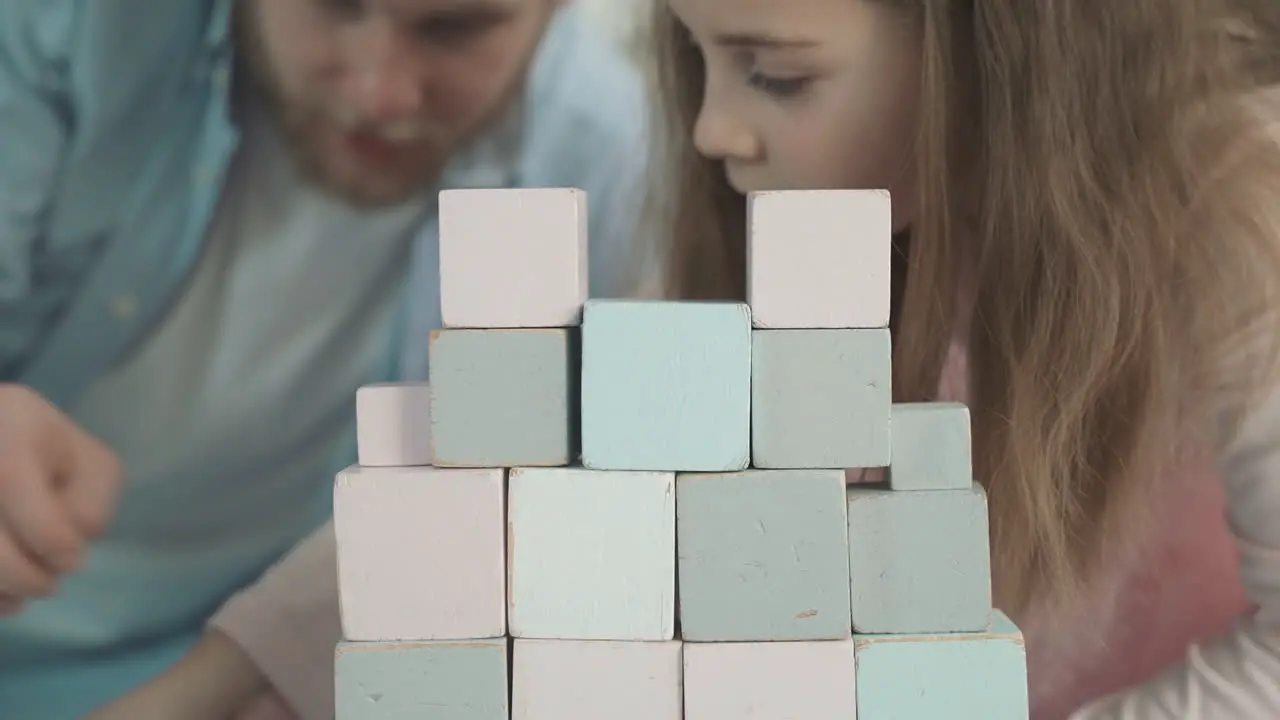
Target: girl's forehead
[{"x": 730, "y": 22}]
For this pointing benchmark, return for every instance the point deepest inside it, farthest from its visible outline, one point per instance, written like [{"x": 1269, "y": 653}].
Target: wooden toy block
[
  {"x": 959, "y": 676},
  {"x": 666, "y": 386},
  {"x": 932, "y": 447},
  {"x": 770, "y": 681},
  {"x": 591, "y": 554},
  {"x": 393, "y": 424},
  {"x": 763, "y": 555},
  {"x": 501, "y": 398},
  {"x": 821, "y": 398},
  {"x": 919, "y": 562},
  {"x": 513, "y": 257},
  {"x": 420, "y": 553},
  {"x": 422, "y": 680},
  {"x": 572, "y": 679},
  {"x": 819, "y": 258}
]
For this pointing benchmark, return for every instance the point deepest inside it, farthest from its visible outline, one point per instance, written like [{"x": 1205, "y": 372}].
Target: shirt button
[{"x": 124, "y": 307}]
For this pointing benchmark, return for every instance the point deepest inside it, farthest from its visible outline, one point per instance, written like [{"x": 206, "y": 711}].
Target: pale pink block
[
  {"x": 421, "y": 553},
  {"x": 587, "y": 680},
  {"x": 513, "y": 258},
  {"x": 770, "y": 681},
  {"x": 393, "y": 424},
  {"x": 819, "y": 258}
]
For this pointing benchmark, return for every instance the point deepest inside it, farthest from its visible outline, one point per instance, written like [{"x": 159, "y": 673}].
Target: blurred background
[{"x": 619, "y": 19}]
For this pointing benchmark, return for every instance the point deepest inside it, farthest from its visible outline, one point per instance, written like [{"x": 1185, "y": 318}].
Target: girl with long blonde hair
[{"x": 1086, "y": 202}]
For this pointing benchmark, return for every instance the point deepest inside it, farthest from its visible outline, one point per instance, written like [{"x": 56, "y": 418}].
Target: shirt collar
[{"x": 217, "y": 36}]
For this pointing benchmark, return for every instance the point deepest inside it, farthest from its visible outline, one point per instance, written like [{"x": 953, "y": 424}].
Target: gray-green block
[
  {"x": 503, "y": 398},
  {"x": 763, "y": 556},
  {"x": 821, "y": 398},
  {"x": 919, "y": 562},
  {"x": 957, "y": 676},
  {"x": 459, "y": 680},
  {"x": 932, "y": 447}
]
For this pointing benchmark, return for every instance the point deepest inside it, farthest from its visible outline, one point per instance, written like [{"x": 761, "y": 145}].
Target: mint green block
[
  {"x": 458, "y": 680},
  {"x": 821, "y": 398},
  {"x": 666, "y": 386},
  {"x": 919, "y": 562},
  {"x": 763, "y": 556},
  {"x": 591, "y": 554},
  {"x": 503, "y": 398},
  {"x": 981, "y": 676},
  {"x": 932, "y": 447}
]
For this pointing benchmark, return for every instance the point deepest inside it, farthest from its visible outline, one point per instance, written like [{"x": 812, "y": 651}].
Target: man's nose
[
  {"x": 717, "y": 135},
  {"x": 386, "y": 82}
]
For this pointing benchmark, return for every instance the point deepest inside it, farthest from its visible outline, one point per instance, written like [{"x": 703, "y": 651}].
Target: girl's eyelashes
[{"x": 779, "y": 87}]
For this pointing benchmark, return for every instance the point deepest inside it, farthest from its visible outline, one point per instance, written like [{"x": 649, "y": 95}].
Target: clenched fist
[{"x": 58, "y": 490}]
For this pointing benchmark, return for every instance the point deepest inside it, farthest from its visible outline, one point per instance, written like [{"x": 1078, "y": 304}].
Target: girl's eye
[{"x": 781, "y": 87}]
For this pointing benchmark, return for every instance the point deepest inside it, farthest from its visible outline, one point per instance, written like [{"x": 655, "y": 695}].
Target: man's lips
[{"x": 375, "y": 148}]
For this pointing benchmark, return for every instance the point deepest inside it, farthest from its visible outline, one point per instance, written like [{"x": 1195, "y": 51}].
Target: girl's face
[{"x": 808, "y": 94}]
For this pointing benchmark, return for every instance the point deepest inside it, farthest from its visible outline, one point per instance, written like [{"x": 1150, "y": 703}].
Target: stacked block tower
[{"x": 638, "y": 510}]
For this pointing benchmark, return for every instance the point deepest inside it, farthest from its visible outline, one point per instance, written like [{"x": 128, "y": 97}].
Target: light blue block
[
  {"x": 461, "y": 680},
  {"x": 980, "y": 676},
  {"x": 503, "y": 398},
  {"x": 821, "y": 398},
  {"x": 666, "y": 386},
  {"x": 919, "y": 562},
  {"x": 932, "y": 447},
  {"x": 763, "y": 555}
]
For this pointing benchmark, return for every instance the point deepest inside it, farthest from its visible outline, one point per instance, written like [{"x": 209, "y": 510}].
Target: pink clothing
[
  {"x": 1187, "y": 589},
  {"x": 288, "y": 623},
  {"x": 267, "y": 706},
  {"x": 1184, "y": 589}
]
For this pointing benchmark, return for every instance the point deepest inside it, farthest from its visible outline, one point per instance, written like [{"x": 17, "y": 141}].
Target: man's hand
[
  {"x": 215, "y": 681},
  {"x": 58, "y": 490}
]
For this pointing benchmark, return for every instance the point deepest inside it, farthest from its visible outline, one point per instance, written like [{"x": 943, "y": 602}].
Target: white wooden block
[
  {"x": 770, "y": 681},
  {"x": 420, "y": 553},
  {"x": 819, "y": 258},
  {"x": 513, "y": 258},
  {"x": 589, "y": 679},
  {"x": 591, "y": 554},
  {"x": 393, "y": 424}
]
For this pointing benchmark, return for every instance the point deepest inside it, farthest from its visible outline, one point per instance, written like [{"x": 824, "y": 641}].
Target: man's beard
[
  {"x": 310, "y": 132},
  {"x": 305, "y": 127},
  {"x": 310, "y": 137}
]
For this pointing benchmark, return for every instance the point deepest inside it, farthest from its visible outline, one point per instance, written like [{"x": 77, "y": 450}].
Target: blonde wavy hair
[{"x": 1109, "y": 166}]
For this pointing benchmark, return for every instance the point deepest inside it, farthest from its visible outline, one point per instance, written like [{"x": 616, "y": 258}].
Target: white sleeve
[{"x": 1237, "y": 676}]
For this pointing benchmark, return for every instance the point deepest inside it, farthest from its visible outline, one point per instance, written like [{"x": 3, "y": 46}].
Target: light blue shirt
[{"x": 117, "y": 137}]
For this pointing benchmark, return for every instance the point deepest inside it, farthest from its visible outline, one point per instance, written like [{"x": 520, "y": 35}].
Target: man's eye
[
  {"x": 456, "y": 29},
  {"x": 343, "y": 7}
]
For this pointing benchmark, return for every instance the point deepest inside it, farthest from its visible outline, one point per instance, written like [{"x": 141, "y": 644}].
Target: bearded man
[{"x": 217, "y": 220}]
